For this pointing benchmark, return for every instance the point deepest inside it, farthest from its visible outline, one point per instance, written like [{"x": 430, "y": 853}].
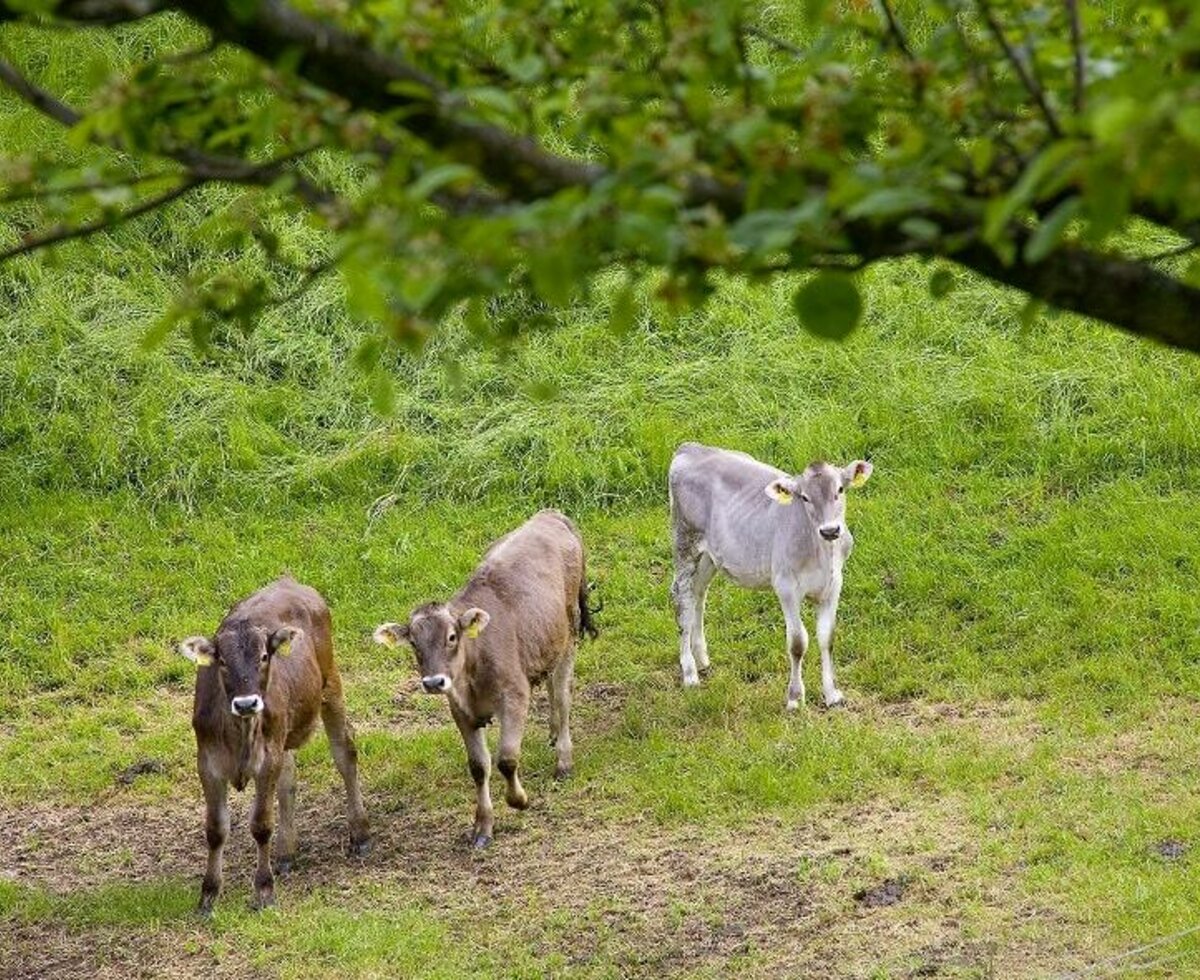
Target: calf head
[
  {"x": 822, "y": 491},
  {"x": 436, "y": 636},
  {"x": 243, "y": 655}
]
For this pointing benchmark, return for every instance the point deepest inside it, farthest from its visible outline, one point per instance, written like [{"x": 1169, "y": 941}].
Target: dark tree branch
[
  {"x": 1077, "y": 48},
  {"x": 1023, "y": 73},
  {"x": 777, "y": 42},
  {"x": 895, "y": 30},
  {"x": 106, "y": 223},
  {"x": 203, "y": 167},
  {"x": 1128, "y": 294},
  {"x": 84, "y": 187}
]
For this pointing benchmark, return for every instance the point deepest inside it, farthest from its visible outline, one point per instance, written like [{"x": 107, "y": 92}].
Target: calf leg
[
  {"x": 345, "y": 757},
  {"x": 560, "y": 714},
  {"x": 285, "y": 793},
  {"x": 705, "y": 570},
  {"x": 216, "y": 831},
  {"x": 480, "y": 764},
  {"x": 512, "y": 730},
  {"x": 684, "y": 597},
  {"x": 826, "y": 618},
  {"x": 797, "y": 644},
  {"x": 262, "y": 826}
]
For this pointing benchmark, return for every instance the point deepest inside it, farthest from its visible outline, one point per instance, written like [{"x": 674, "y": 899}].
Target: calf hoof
[
  {"x": 360, "y": 848},
  {"x": 793, "y": 704},
  {"x": 263, "y": 900},
  {"x": 282, "y": 866},
  {"x": 837, "y": 701},
  {"x": 691, "y": 680},
  {"x": 563, "y": 773},
  {"x": 480, "y": 841},
  {"x": 517, "y": 802}
]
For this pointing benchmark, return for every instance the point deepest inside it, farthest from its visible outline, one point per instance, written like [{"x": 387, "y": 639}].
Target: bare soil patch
[{"x": 775, "y": 896}]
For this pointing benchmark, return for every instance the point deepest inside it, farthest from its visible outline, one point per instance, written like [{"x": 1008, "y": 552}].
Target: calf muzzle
[
  {"x": 831, "y": 532},
  {"x": 436, "y": 683},
  {"x": 245, "y": 707}
]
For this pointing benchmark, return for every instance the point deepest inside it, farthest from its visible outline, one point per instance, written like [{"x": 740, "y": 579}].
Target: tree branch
[
  {"x": 1077, "y": 48},
  {"x": 1022, "y": 70},
  {"x": 67, "y": 233},
  {"x": 1129, "y": 295},
  {"x": 896, "y": 31}
]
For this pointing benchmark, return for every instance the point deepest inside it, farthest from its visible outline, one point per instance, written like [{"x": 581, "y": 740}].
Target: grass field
[{"x": 1011, "y": 793}]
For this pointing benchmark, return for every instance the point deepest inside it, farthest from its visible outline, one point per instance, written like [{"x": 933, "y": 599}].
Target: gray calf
[
  {"x": 732, "y": 514},
  {"x": 514, "y": 624}
]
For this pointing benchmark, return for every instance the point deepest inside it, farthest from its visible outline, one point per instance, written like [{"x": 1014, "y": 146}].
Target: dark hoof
[
  {"x": 282, "y": 866},
  {"x": 263, "y": 902},
  {"x": 360, "y": 848},
  {"x": 561, "y": 774},
  {"x": 480, "y": 841},
  {"x": 204, "y": 912},
  {"x": 518, "y": 803}
]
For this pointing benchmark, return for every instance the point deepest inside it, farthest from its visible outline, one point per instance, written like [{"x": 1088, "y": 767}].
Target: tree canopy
[{"x": 522, "y": 145}]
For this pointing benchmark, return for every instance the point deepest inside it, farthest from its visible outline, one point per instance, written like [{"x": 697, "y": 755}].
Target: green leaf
[
  {"x": 1112, "y": 120},
  {"x": 553, "y": 273},
  {"x": 829, "y": 305},
  {"x": 940, "y": 283},
  {"x": 889, "y": 202},
  {"x": 437, "y": 178},
  {"x": 1048, "y": 234}
]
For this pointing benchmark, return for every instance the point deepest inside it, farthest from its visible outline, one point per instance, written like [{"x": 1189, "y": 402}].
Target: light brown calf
[
  {"x": 263, "y": 680},
  {"x": 514, "y": 624}
]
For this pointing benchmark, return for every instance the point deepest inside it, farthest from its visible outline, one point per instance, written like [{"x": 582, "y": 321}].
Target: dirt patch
[
  {"x": 1171, "y": 850},
  {"x": 887, "y": 892},
  {"x": 44, "y": 951},
  {"x": 143, "y": 767},
  {"x": 775, "y": 896}
]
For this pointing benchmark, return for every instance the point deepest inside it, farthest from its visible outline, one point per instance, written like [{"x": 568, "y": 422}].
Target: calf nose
[
  {"x": 435, "y": 683},
  {"x": 831, "y": 532},
  {"x": 249, "y": 705}
]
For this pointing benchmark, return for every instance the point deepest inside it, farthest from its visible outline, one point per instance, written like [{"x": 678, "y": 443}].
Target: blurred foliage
[{"x": 724, "y": 135}]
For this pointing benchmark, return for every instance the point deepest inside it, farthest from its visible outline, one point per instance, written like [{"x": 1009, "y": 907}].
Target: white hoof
[
  {"x": 793, "y": 705},
  {"x": 691, "y": 679},
  {"x": 834, "y": 700}
]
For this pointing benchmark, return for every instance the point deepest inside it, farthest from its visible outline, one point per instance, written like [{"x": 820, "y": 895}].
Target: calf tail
[{"x": 586, "y": 612}]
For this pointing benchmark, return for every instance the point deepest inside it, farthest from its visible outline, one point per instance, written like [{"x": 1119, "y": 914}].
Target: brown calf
[
  {"x": 514, "y": 624},
  {"x": 263, "y": 680}
]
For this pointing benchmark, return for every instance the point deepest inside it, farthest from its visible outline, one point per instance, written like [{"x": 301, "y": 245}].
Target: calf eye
[
  {"x": 265, "y": 657},
  {"x": 451, "y": 637},
  {"x": 805, "y": 498}
]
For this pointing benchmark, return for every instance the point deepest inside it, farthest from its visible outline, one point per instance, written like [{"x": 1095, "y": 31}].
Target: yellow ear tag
[
  {"x": 473, "y": 630},
  {"x": 284, "y": 648},
  {"x": 384, "y": 636},
  {"x": 859, "y": 479},
  {"x": 203, "y": 660},
  {"x": 781, "y": 495}
]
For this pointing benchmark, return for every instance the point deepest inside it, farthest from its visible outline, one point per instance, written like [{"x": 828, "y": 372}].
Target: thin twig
[
  {"x": 67, "y": 233},
  {"x": 83, "y": 187},
  {"x": 1022, "y": 70},
  {"x": 1077, "y": 46},
  {"x": 896, "y": 31},
  {"x": 777, "y": 42},
  {"x": 1171, "y": 253}
]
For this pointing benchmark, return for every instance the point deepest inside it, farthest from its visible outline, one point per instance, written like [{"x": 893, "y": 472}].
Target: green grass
[{"x": 1017, "y": 633}]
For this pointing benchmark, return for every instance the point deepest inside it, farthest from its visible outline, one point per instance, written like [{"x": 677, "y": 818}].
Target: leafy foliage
[{"x": 523, "y": 147}]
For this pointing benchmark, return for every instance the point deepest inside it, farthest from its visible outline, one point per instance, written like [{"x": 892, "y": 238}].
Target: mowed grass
[{"x": 1017, "y": 635}]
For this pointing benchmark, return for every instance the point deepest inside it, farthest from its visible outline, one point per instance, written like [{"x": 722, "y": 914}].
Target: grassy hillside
[{"x": 1017, "y": 637}]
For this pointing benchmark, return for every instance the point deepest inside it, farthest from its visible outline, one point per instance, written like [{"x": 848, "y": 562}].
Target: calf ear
[
  {"x": 781, "y": 490},
  {"x": 282, "y": 639},
  {"x": 389, "y": 634},
  {"x": 857, "y": 473},
  {"x": 199, "y": 650},
  {"x": 473, "y": 622}
]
